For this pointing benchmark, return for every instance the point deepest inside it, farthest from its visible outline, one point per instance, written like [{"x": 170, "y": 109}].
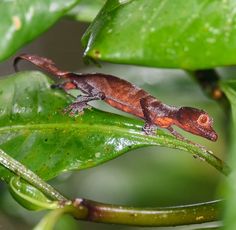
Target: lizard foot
[
  {"x": 149, "y": 129},
  {"x": 76, "y": 108}
]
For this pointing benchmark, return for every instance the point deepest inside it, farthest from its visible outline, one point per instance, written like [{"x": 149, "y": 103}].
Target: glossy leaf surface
[
  {"x": 22, "y": 21},
  {"x": 86, "y": 10},
  {"x": 30, "y": 197},
  {"x": 176, "y": 34},
  {"x": 34, "y": 130}
]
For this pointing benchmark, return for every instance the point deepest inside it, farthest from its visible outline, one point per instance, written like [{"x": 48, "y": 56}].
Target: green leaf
[
  {"x": 22, "y": 21},
  {"x": 30, "y": 197},
  {"x": 86, "y": 10},
  {"x": 34, "y": 130},
  {"x": 229, "y": 88},
  {"x": 178, "y": 34}
]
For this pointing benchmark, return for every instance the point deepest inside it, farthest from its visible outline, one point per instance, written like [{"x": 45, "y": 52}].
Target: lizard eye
[{"x": 203, "y": 119}]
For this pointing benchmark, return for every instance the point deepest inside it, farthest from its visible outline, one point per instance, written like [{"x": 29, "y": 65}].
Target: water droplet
[
  {"x": 176, "y": 44},
  {"x": 199, "y": 218},
  {"x": 207, "y": 25},
  {"x": 123, "y": 1},
  {"x": 214, "y": 31},
  {"x": 211, "y": 40},
  {"x": 152, "y": 29},
  {"x": 53, "y": 7},
  {"x": 186, "y": 49},
  {"x": 29, "y": 14},
  {"x": 140, "y": 8},
  {"x": 97, "y": 155},
  {"x": 109, "y": 31},
  {"x": 143, "y": 30}
]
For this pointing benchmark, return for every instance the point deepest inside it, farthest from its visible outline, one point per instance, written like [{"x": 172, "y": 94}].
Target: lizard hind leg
[
  {"x": 68, "y": 85},
  {"x": 149, "y": 127},
  {"x": 65, "y": 86}
]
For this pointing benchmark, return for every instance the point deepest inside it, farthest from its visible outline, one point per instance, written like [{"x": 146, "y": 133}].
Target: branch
[
  {"x": 105, "y": 213},
  {"x": 209, "y": 82},
  {"x": 92, "y": 211},
  {"x": 168, "y": 216},
  {"x": 21, "y": 171}
]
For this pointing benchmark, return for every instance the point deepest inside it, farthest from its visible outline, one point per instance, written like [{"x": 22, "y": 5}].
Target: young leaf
[
  {"x": 22, "y": 21},
  {"x": 178, "y": 34},
  {"x": 35, "y": 131},
  {"x": 18, "y": 169},
  {"x": 30, "y": 197}
]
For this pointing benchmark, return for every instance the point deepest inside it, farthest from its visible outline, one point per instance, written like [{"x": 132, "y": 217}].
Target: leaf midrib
[{"x": 71, "y": 126}]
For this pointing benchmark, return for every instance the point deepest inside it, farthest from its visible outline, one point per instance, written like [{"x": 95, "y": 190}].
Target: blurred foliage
[{"x": 22, "y": 21}]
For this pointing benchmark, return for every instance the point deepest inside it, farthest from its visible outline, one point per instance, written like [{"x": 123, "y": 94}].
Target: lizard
[{"x": 129, "y": 98}]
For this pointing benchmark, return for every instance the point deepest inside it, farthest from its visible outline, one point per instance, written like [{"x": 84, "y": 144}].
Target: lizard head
[{"x": 197, "y": 122}]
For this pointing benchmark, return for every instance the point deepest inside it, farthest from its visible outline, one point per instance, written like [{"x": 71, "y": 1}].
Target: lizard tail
[{"x": 43, "y": 63}]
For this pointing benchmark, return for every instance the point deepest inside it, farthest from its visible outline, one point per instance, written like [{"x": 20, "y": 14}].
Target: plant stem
[
  {"x": 21, "y": 171},
  {"x": 208, "y": 80},
  {"x": 167, "y": 216},
  {"x": 48, "y": 222},
  {"x": 105, "y": 213}
]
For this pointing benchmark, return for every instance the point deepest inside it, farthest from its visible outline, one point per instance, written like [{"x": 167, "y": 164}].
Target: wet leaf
[
  {"x": 178, "y": 34},
  {"x": 34, "y": 130},
  {"x": 22, "y": 21}
]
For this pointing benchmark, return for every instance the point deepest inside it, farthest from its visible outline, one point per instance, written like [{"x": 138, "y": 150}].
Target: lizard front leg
[
  {"x": 182, "y": 138},
  {"x": 176, "y": 134},
  {"x": 78, "y": 106},
  {"x": 149, "y": 127}
]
